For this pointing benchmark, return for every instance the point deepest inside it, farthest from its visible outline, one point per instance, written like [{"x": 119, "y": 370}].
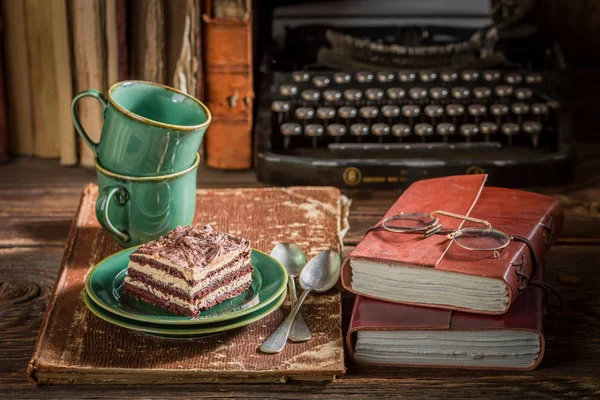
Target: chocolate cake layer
[
  {"x": 150, "y": 298},
  {"x": 144, "y": 260},
  {"x": 171, "y": 290}
]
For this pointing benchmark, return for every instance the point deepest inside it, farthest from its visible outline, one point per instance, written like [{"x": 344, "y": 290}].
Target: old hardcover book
[
  {"x": 4, "y": 151},
  {"x": 228, "y": 82},
  {"x": 383, "y": 333},
  {"x": 117, "y": 56},
  {"x": 75, "y": 346},
  {"x": 147, "y": 19},
  {"x": 436, "y": 272}
]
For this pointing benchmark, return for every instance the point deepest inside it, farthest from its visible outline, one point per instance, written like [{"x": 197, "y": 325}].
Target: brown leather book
[
  {"x": 74, "y": 346},
  {"x": 228, "y": 83},
  {"x": 382, "y": 333},
  {"x": 435, "y": 271}
]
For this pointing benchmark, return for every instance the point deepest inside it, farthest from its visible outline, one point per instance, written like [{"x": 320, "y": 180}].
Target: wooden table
[{"x": 38, "y": 198}]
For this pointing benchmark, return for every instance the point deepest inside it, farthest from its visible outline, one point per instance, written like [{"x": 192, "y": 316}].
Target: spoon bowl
[
  {"x": 322, "y": 272},
  {"x": 290, "y": 256}
]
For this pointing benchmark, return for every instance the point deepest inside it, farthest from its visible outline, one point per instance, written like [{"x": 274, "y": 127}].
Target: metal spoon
[
  {"x": 320, "y": 274},
  {"x": 293, "y": 260}
]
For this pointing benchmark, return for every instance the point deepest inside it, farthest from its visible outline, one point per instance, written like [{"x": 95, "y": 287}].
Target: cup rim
[
  {"x": 114, "y": 175},
  {"x": 149, "y": 121}
]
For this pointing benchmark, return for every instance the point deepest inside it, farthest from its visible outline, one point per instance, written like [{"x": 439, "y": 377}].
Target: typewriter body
[{"x": 376, "y": 95}]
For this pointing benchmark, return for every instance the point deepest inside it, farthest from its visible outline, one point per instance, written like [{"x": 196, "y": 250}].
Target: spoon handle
[
  {"x": 299, "y": 331},
  {"x": 276, "y": 342}
]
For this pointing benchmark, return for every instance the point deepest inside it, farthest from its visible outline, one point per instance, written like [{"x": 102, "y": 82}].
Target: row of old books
[
  {"x": 54, "y": 49},
  {"x": 430, "y": 302}
]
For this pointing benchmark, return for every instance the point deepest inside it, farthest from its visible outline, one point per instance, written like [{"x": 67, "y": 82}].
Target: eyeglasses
[{"x": 484, "y": 239}]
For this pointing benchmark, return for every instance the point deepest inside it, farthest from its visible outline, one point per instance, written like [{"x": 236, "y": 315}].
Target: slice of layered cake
[{"x": 189, "y": 270}]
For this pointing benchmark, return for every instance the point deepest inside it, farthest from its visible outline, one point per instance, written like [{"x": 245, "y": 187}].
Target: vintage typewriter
[{"x": 373, "y": 98}]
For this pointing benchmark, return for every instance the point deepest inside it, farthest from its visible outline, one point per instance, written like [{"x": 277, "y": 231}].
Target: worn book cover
[{"x": 74, "y": 346}]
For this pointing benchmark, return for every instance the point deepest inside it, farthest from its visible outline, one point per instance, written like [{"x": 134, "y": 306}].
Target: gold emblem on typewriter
[
  {"x": 352, "y": 176},
  {"x": 475, "y": 170}
]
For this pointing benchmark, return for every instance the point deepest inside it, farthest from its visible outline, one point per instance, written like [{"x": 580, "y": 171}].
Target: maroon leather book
[
  {"x": 383, "y": 333},
  {"x": 435, "y": 272}
]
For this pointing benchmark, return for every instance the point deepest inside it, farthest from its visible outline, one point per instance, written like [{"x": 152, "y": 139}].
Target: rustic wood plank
[{"x": 569, "y": 369}]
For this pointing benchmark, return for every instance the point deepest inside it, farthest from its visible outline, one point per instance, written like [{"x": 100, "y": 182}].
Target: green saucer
[
  {"x": 183, "y": 332},
  {"x": 105, "y": 281}
]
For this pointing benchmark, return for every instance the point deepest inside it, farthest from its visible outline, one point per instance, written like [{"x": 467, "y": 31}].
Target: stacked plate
[{"x": 103, "y": 297}]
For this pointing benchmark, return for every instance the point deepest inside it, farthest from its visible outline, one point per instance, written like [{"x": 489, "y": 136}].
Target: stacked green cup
[{"x": 146, "y": 160}]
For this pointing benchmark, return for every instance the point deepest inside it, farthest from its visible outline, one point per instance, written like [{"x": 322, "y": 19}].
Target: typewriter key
[
  {"x": 433, "y": 112},
  {"x": 374, "y": 94},
  {"x": 503, "y": 91},
  {"x": 288, "y": 130},
  {"x": 342, "y": 77},
  {"x": 445, "y": 129},
  {"x": 390, "y": 111},
  {"x": 499, "y": 110},
  {"x": 540, "y": 111},
  {"x": 280, "y": 108},
  {"x": 468, "y": 131},
  {"x": 491, "y": 75},
  {"x": 448, "y": 76},
  {"x": 423, "y": 130},
  {"x": 380, "y": 130},
  {"x": 364, "y": 77},
  {"x": 533, "y": 129},
  {"x": 396, "y": 93},
  {"x": 455, "y": 111},
  {"x": 469, "y": 75},
  {"x": 427, "y": 76},
  {"x": 347, "y": 113},
  {"x": 326, "y": 114},
  {"x": 314, "y": 131},
  {"x": 385, "y": 77},
  {"x": 417, "y": 93},
  {"x": 300, "y": 76},
  {"x": 482, "y": 93},
  {"x": 488, "y": 128},
  {"x": 368, "y": 112},
  {"x": 438, "y": 93},
  {"x": 304, "y": 114},
  {"x": 513, "y": 78},
  {"x": 509, "y": 129},
  {"x": 411, "y": 111},
  {"x": 406, "y": 76},
  {"x": 288, "y": 90},
  {"x": 519, "y": 109},
  {"x": 332, "y": 95},
  {"x": 353, "y": 95},
  {"x": 310, "y": 95},
  {"x": 476, "y": 111},
  {"x": 400, "y": 131},
  {"x": 336, "y": 131},
  {"x": 523, "y": 93},
  {"x": 359, "y": 130},
  {"x": 534, "y": 78},
  {"x": 460, "y": 93},
  {"x": 321, "y": 81}
]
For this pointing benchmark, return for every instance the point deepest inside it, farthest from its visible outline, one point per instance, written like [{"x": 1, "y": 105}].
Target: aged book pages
[
  {"x": 182, "y": 20},
  {"x": 4, "y": 150},
  {"x": 75, "y": 346},
  {"x": 148, "y": 40}
]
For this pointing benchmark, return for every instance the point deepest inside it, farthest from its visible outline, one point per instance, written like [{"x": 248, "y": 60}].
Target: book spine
[
  {"x": 4, "y": 150},
  {"x": 228, "y": 83},
  {"x": 148, "y": 40}
]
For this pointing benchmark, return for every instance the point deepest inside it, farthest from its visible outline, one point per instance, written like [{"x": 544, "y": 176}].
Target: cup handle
[
  {"x": 87, "y": 93},
  {"x": 105, "y": 196}
]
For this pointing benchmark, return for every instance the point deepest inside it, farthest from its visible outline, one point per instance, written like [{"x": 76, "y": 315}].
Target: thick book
[
  {"x": 74, "y": 346},
  {"x": 436, "y": 272},
  {"x": 389, "y": 334},
  {"x": 228, "y": 82}
]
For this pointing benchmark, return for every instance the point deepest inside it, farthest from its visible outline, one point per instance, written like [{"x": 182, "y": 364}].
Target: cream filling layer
[
  {"x": 193, "y": 274},
  {"x": 212, "y": 296},
  {"x": 182, "y": 284}
]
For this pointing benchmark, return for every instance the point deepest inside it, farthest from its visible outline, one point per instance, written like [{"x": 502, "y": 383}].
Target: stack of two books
[{"x": 428, "y": 302}]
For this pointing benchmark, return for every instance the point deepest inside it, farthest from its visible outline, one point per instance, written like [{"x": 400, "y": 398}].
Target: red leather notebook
[
  {"x": 382, "y": 333},
  {"x": 435, "y": 272}
]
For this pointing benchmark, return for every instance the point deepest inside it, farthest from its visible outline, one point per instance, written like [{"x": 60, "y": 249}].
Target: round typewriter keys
[
  {"x": 476, "y": 111},
  {"x": 288, "y": 130},
  {"x": 427, "y": 76},
  {"x": 438, "y": 93},
  {"x": 304, "y": 114},
  {"x": 499, "y": 111},
  {"x": 445, "y": 129},
  {"x": 314, "y": 131},
  {"x": 406, "y": 76},
  {"x": 321, "y": 81},
  {"x": 353, "y": 95},
  {"x": 482, "y": 93},
  {"x": 326, "y": 114},
  {"x": 491, "y": 75},
  {"x": 410, "y": 112},
  {"x": 359, "y": 130},
  {"x": 519, "y": 109},
  {"x": 336, "y": 131},
  {"x": 513, "y": 78},
  {"x": 332, "y": 96},
  {"x": 523, "y": 93},
  {"x": 400, "y": 131},
  {"x": 509, "y": 129},
  {"x": 487, "y": 129},
  {"x": 539, "y": 111},
  {"x": 417, "y": 93},
  {"x": 374, "y": 94},
  {"x": 468, "y": 131},
  {"x": 380, "y": 130},
  {"x": 310, "y": 95},
  {"x": 364, "y": 77},
  {"x": 503, "y": 92},
  {"x": 300, "y": 76},
  {"x": 385, "y": 77},
  {"x": 460, "y": 93},
  {"x": 469, "y": 75},
  {"x": 368, "y": 113},
  {"x": 434, "y": 112},
  {"x": 288, "y": 90},
  {"x": 423, "y": 130},
  {"x": 534, "y": 78},
  {"x": 448, "y": 76},
  {"x": 455, "y": 111},
  {"x": 347, "y": 113},
  {"x": 280, "y": 108},
  {"x": 342, "y": 78},
  {"x": 390, "y": 112},
  {"x": 533, "y": 129},
  {"x": 396, "y": 93}
]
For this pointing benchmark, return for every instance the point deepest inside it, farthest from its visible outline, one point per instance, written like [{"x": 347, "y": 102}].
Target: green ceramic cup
[
  {"x": 135, "y": 210},
  {"x": 149, "y": 129}
]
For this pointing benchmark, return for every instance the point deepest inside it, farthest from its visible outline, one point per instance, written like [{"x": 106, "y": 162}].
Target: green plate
[
  {"x": 105, "y": 281},
  {"x": 183, "y": 332}
]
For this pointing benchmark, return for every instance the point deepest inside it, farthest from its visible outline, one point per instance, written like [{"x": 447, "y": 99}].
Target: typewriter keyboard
[{"x": 383, "y": 111}]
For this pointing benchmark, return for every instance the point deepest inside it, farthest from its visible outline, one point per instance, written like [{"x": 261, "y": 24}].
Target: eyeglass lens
[
  {"x": 481, "y": 239},
  {"x": 410, "y": 222}
]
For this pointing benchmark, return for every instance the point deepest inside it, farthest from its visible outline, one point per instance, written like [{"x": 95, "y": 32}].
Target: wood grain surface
[{"x": 38, "y": 199}]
